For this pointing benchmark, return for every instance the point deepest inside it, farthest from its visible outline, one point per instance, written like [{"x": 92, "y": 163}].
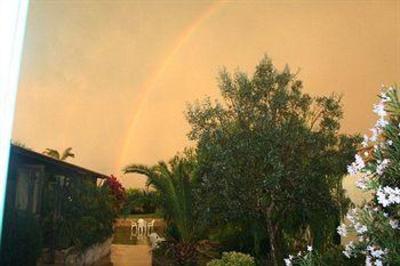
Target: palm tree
[
  {"x": 56, "y": 155},
  {"x": 174, "y": 181}
]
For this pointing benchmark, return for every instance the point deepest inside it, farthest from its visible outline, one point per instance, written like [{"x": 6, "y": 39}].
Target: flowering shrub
[
  {"x": 376, "y": 223},
  {"x": 233, "y": 259},
  {"x": 117, "y": 190}
]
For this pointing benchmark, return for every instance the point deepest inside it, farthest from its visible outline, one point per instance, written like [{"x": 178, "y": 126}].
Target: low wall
[{"x": 91, "y": 255}]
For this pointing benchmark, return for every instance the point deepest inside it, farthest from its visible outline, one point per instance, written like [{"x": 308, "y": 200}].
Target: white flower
[
  {"x": 350, "y": 217},
  {"x": 364, "y": 143},
  {"x": 288, "y": 262},
  {"x": 375, "y": 133},
  {"x": 389, "y": 142},
  {"x": 356, "y": 166},
  {"x": 387, "y": 196},
  {"x": 363, "y": 182},
  {"x": 348, "y": 250},
  {"x": 360, "y": 229},
  {"x": 342, "y": 230},
  {"x": 309, "y": 248},
  {"x": 381, "y": 123},
  {"x": 368, "y": 261},
  {"x": 381, "y": 166},
  {"x": 378, "y": 262},
  {"x": 379, "y": 109},
  {"x": 351, "y": 170},
  {"x": 377, "y": 253},
  {"x": 394, "y": 223}
]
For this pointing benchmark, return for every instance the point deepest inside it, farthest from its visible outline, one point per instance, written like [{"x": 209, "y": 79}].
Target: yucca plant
[{"x": 174, "y": 181}]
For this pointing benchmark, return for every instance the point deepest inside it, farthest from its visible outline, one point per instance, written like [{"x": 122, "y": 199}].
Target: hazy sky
[{"x": 112, "y": 78}]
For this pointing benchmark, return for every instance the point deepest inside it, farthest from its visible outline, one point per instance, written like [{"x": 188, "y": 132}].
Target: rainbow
[{"x": 149, "y": 84}]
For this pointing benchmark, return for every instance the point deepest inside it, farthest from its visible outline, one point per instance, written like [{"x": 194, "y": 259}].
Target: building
[
  {"x": 38, "y": 187},
  {"x": 31, "y": 173}
]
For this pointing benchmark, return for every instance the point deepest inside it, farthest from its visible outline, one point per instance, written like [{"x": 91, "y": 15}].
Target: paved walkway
[{"x": 126, "y": 255}]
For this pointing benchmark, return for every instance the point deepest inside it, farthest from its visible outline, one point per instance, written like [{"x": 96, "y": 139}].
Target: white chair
[
  {"x": 134, "y": 225},
  {"x": 141, "y": 226},
  {"x": 150, "y": 226}
]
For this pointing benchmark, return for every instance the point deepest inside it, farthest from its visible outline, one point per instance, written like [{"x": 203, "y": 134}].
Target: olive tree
[{"x": 272, "y": 156}]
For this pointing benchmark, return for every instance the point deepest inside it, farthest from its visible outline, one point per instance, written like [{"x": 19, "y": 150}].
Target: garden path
[{"x": 126, "y": 255}]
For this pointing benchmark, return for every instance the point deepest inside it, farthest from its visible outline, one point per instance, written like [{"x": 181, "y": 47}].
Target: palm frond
[
  {"x": 67, "y": 153},
  {"x": 52, "y": 153},
  {"x": 174, "y": 181}
]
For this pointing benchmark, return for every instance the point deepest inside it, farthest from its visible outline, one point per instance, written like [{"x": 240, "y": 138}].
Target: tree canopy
[{"x": 271, "y": 155}]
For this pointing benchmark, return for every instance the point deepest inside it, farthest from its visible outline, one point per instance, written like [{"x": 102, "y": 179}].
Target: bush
[
  {"x": 141, "y": 202},
  {"x": 233, "y": 259},
  {"x": 90, "y": 210},
  {"x": 85, "y": 217},
  {"x": 117, "y": 190}
]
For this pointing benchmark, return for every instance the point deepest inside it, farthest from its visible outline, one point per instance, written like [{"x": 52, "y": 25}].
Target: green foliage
[
  {"x": 247, "y": 238},
  {"x": 332, "y": 257},
  {"x": 22, "y": 240},
  {"x": 174, "y": 182},
  {"x": 233, "y": 259},
  {"x": 141, "y": 201},
  {"x": 271, "y": 155},
  {"x": 376, "y": 222},
  {"x": 83, "y": 207}
]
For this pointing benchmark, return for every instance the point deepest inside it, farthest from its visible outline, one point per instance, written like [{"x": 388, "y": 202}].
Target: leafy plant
[
  {"x": 174, "y": 182},
  {"x": 84, "y": 207},
  {"x": 117, "y": 190},
  {"x": 233, "y": 259},
  {"x": 376, "y": 223}
]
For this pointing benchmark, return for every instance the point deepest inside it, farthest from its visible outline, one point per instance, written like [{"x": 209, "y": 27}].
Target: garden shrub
[
  {"x": 85, "y": 207},
  {"x": 117, "y": 190},
  {"x": 141, "y": 202},
  {"x": 377, "y": 222},
  {"x": 90, "y": 210},
  {"x": 233, "y": 259}
]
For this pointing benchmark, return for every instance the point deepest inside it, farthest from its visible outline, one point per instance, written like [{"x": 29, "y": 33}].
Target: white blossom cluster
[
  {"x": 356, "y": 166},
  {"x": 387, "y": 196},
  {"x": 300, "y": 256},
  {"x": 361, "y": 219},
  {"x": 381, "y": 123},
  {"x": 375, "y": 256}
]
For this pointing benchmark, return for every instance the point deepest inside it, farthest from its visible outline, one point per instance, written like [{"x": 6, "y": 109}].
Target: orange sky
[{"x": 112, "y": 78}]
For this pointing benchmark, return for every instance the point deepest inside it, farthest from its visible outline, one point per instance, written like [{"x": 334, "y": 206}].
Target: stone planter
[{"x": 91, "y": 255}]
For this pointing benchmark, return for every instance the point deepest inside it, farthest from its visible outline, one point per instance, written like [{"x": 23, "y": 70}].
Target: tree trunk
[
  {"x": 271, "y": 229},
  {"x": 272, "y": 242}
]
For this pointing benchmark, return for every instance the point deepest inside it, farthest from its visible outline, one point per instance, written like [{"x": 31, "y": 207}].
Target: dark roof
[{"x": 54, "y": 162}]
